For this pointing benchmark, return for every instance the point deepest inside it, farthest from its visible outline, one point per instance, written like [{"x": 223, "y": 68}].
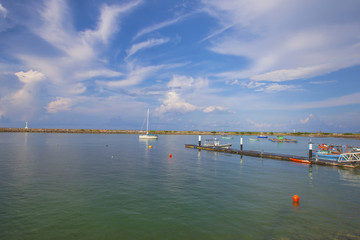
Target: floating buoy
[
  {"x": 296, "y": 198},
  {"x": 150, "y": 146},
  {"x": 170, "y": 155}
]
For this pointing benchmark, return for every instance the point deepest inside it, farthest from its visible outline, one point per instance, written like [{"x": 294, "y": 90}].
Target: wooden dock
[{"x": 276, "y": 156}]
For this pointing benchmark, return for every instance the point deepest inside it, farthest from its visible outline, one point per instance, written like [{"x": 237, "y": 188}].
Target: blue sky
[{"x": 216, "y": 65}]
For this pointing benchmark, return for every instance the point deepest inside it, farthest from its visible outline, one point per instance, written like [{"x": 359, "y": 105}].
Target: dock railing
[{"x": 349, "y": 157}]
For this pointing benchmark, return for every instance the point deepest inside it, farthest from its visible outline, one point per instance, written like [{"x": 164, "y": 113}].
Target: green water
[{"x": 94, "y": 186}]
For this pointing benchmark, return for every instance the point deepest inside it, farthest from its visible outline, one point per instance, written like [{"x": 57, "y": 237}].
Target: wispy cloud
[
  {"x": 60, "y": 104},
  {"x": 346, "y": 100},
  {"x": 135, "y": 75},
  {"x": 275, "y": 87},
  {"x": 147, "y": 44},
  {"x": 292, "y": 74},
  {"x": 286, "y": 50},
  {"x": 306, "y": 120},
  {"x": 217, "y": 32},
  {"x": 3, "y": 12},
  {"x": 107, "y": 24},
  {"x": 161, "y": 25},
  {"x": 259, "y": 125},
  {"x": 4, "y": 23},
  {"x": 323, "y": 82}
]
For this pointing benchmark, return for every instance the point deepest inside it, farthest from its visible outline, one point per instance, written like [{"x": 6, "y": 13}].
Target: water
[{"x": 94, "y": 186}]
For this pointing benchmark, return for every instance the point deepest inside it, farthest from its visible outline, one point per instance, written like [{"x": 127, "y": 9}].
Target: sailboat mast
[{"x": 147, "y": 122}]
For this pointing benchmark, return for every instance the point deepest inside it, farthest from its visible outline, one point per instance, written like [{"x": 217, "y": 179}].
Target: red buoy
[
  {"x": 170, "y": 156},
  {"x": 296, "y": 198}
]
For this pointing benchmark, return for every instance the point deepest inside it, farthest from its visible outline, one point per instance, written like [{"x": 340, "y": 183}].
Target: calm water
[{"x": 93, "y": 186}]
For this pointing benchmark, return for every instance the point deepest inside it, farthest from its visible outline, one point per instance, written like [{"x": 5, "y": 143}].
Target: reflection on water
[
  {"x": 65, "y": 186},
  {"x": 350, "y": 177}
]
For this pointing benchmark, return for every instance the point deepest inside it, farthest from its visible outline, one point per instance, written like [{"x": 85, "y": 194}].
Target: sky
[{"x": 210, "y": 65}]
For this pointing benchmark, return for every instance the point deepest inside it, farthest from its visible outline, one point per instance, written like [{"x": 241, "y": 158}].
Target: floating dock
[
  {"x": 281, "y": 140},
  {"x": 277, "y": 156}
]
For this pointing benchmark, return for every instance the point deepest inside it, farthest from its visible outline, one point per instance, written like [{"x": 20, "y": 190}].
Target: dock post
[
  {"x": 310, "y": 150},
  {"x": 241, "y": 144},
  {"x": 199, "y": 141}
]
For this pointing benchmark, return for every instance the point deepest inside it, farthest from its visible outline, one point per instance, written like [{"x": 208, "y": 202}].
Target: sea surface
[{"x": 115, "y": 186}]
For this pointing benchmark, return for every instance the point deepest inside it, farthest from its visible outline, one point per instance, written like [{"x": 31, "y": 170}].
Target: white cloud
[
  {"x": 252, "y": 84},
  {"x": 160, "y": 25},
  {"x": 323, "y": 82},
  {"x": 4, "y": 23},
  {"x": 147, "y": 44},
  {"x": 173, "y": 103},
  {"x": 135, "y": 76},
  {"x": 295, "y": 48},
  {"x": 27, "y": 94},
  {"x": 77, "y": 88},
  {"x": 259, "y": 125},
  {"x": 213, "y": 109},
  {"x": 275, "y": 87},
  {"x": 292, "y": 74},
  {"x": 306, "y": 120},
  {"x": 346, "y": 100},
  {"x": 350, "y": 99},
  {"x": 60, "y": 104},
  {"x": 184, "y": 82},
  {"x": 86, "y": 74},
  {"x": 23, "y": 103},
  {"x": 3, "y": 12},
  {"x": 30, "y": 76}
]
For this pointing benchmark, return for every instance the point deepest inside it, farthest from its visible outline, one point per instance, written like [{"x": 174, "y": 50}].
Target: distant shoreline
[{"x": 108, "y": 131}]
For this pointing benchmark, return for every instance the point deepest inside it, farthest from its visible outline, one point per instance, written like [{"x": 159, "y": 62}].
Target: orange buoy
[
  {"x": 170, "y": 156},
  {"x": 296, "y": 198}
]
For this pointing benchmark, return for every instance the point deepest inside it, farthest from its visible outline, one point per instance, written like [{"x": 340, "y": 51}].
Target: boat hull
[
  {"x": 300, "y": 160},
  {"x": 227, "y": 146},
  {"x": 148, "y": 137}
]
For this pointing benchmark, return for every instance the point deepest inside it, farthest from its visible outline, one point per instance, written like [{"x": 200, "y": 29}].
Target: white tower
[{"x": 26, "y": 127}]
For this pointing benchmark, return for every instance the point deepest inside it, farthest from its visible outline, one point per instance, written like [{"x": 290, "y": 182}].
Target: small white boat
[
  {"x": 226, "y": 137},
  {"x": 215, "y": 143},
  {"x": 148, "y": 135}
]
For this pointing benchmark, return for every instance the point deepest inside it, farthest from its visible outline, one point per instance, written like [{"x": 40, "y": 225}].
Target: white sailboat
[{"x": 147, "y": 135}]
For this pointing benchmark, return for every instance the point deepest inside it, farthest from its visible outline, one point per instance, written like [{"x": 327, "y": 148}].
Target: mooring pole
[
  {"x": 310, "y": 150},
  {"x": 199, "y": 141},
  {"x": 241, "y": 144}
]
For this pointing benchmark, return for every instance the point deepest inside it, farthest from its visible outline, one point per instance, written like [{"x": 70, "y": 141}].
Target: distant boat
[
  {"x": 262, "y": 136},
  {"x": 215, "y": 143},
  {"x": 147, "y": 135},
  {"x": 226, "y": 137},
  {"x": 281, "y": 139}
]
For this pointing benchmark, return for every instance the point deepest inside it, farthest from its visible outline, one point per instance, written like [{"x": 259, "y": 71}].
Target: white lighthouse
[{"x": 26, "y": 127}]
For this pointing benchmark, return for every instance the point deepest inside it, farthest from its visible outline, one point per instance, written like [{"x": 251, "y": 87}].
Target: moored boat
[
  {"x": 226, "y": 137},
  {"x": 338, "y": 154},
  {"x": 282, "y": 139},
  {"x": 300, "y": 160},
  {"x": 216, "y": 143},
  {"x": 148, "y": 135},
  {"x": 262, "y": 136}
]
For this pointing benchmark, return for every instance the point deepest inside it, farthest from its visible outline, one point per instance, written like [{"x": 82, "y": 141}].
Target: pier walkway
[{"x": 276, "y": 156}]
